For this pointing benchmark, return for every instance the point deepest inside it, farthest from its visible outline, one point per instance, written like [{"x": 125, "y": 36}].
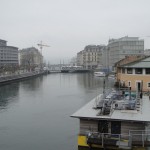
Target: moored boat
[
  {"x": 99, "y": 74},
  {"x": 112, "y": 76},
  {"x": 115, "y": 120}
]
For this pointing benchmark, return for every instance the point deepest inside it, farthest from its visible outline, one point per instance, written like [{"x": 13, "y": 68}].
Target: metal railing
[
  {"x": 125, "y": 140},
  {"x": 140, "y": 135}
]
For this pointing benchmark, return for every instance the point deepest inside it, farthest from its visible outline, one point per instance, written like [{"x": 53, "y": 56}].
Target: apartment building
[
  {"x": 90, "y": 57},
  {"x": 30, "y": 57},
  {"x": 8, "y": 54},
  {"x": 125, "y": 46}
]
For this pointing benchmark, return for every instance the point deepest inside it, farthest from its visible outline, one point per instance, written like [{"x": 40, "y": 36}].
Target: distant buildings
[
  {"x": 11, "y": 59},
  {"x": 90, "y": 57},
  {"x": 147, "y": 52},
  {"x": 105, "y": 57},
  {"x": 125, "y": 46},
  {"x": 30, "y": 58},
  {"x": 8, "y": 54}
]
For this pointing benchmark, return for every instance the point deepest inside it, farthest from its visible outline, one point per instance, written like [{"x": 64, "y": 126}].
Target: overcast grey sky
[{"x": 69, "y": 25}]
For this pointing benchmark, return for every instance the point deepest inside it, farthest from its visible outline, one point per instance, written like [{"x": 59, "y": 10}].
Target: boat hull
[{"x": 99, "y": 74}]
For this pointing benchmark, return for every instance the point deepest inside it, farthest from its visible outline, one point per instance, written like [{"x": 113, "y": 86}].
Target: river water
[{"x": 35, "y": 113}]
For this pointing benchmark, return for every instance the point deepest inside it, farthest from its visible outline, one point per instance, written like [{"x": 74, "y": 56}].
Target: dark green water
[{"x": 35, "y": 114}]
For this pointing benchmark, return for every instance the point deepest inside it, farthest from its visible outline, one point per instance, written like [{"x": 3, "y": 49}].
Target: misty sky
[{"x": 69, "y": 25}]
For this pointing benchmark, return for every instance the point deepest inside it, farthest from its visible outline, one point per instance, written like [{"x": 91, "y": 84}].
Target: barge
[{"x": 115, "y": 120}]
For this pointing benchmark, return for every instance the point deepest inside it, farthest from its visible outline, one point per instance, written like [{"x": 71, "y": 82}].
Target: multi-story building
[
  {"x": 105, "y": 59},
  {"x": 125, "y": 46},
  {"x": 8, "y": 54},
  {"x": 80, "y": 58},
  {"x": 30, "y": 58},
  {"x": 134, "y": 72},
  {"x": 90, "y": 57}
]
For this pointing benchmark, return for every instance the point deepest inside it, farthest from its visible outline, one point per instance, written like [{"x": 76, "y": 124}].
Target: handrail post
[
  {"x": 119, "y": 139},
  {"x": 102, "y": 139},
  {"x": 142, "y": 139},
  {"x": 130, "y": 140}
]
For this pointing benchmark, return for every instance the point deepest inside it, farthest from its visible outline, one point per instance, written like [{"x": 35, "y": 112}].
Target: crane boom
[{"x": 41, "y": 45}]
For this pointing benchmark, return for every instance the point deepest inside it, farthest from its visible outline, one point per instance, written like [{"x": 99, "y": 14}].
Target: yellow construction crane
[{"x": 41, "y": 45}]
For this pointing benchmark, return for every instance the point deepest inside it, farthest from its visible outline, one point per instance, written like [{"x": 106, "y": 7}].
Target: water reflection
[
  {"x": 40, "y": 118},
  {"x": 32, "y": 84},
  {"x": 90, "y": 81},
  {"x": 8, "y": 94}
]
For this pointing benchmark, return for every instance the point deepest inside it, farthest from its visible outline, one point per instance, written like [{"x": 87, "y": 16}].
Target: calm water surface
[{"x": 35, "y": 114}]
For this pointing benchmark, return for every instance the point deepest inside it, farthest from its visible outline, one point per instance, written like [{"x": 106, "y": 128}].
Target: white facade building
[
  {"x": 125, "y": 46},
  {"x": 90, "y": 57}
]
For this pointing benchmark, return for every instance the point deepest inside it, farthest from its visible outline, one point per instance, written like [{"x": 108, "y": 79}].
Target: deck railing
[
  {"x": 134, "y": 138},
  {"x": 140, "y": 135}
]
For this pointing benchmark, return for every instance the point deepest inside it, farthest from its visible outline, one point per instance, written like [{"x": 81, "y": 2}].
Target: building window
[
  {"x": 119, "y": 70},
  {"x": 138, "y": 71},
  {"x": 129, "y": 70},
  {"x": 129, "y": 83},
  {"x": 89, "y": 67},
  {"x": 148, "y": 84},
  {"x": 147, "y": 70},
  {"x": 123, "y": 70}
]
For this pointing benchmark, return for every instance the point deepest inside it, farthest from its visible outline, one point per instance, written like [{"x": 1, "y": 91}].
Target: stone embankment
[{"x": 14, "y": 77}]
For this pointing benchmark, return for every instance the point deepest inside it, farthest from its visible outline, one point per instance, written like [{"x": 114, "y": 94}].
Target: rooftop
[
  {"x": 141, "y": 63},
  {"x": 126, "y": 38},
  {"x": 141, "y": 114},
  {"x": 3, "y": 40}
]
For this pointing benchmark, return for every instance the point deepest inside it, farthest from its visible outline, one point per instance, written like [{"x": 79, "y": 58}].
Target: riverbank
[{"x": 21, "y": 76}]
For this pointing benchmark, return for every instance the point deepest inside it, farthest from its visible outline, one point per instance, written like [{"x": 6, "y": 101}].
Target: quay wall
[{"x": 11, "y": 78}]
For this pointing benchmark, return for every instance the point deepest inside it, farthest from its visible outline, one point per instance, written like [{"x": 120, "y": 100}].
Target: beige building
[
  {"x": 30, "y": 58},
  {"x": 90, "y": 57},
  {"x": 134, "y": 73}
]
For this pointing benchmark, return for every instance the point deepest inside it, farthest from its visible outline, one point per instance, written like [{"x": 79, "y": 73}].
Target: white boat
[
  {"x": 99, "y": 74},
  {"x": 112, "y": 76}
]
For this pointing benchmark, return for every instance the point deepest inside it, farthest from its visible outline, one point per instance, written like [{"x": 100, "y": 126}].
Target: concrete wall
[
  {"x": 133, "y": 79},
  {"x": 88, "y": 125}
]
